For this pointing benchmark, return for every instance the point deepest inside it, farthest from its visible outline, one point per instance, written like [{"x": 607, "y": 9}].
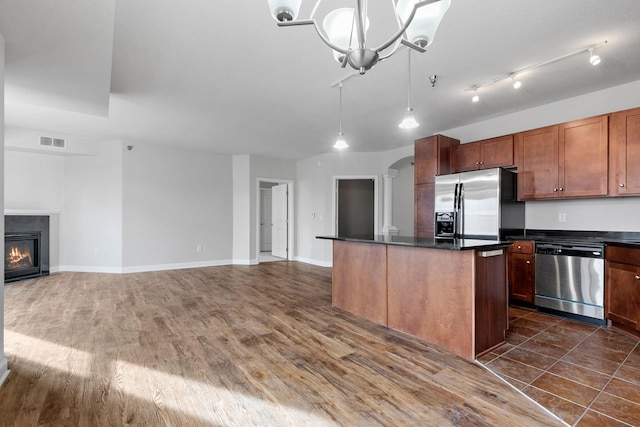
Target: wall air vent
[{"x": 47, "y": 141}]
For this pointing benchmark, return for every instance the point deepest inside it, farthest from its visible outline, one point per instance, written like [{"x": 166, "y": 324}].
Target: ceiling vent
[{"x": 48, "y": 141}]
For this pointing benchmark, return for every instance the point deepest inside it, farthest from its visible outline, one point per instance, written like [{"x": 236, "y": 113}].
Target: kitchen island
[{"x": 452, "y": 293}]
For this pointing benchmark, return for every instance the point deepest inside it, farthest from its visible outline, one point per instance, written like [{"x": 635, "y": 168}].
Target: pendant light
[
  {"x": 341, "y": 143},
  {"x": 409, "y": 120}
]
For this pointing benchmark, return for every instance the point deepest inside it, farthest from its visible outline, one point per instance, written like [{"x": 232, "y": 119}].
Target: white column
[{"x": 388, "y": 227}]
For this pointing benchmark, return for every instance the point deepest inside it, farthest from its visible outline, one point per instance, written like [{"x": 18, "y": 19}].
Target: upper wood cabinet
[
  {"x": 488, "y": 153},
  {"x": 566, "y": 160},
  {"x": 624, "y": 178},
  {"x": 432, "y": 157}
]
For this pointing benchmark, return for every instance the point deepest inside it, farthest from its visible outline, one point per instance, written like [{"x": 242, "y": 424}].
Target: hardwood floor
[{"x": 229, "y": 346}]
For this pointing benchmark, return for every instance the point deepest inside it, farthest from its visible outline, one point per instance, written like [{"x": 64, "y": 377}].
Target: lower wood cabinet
[
  {"x": 522, "y": 270},
  {"x": 622, "y": 287}
]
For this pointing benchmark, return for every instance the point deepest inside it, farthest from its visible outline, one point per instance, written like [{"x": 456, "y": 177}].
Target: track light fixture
[
  {"x": 475, "y": 97},
  {"x": 594, "y": 59},
  {"x": 344, "y": 30},
  {"x": 341, "y": 143},
  {"x": 517, "y": 84}
]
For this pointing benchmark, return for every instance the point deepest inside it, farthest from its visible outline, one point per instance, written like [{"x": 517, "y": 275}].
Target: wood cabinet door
[
  {"x": 539, "y": 174},
  {"x": 496, "y": 152},
  {"x": 625, "y": 153},
  {"x": 623, "y": 293},
  {"x": 522, "y": 270},
  {"x": 583, "y": 157},
  {"x": 424, "y": 218},
  {"x": 425, "y": 160},
  {"x": 466, "y": 157}
]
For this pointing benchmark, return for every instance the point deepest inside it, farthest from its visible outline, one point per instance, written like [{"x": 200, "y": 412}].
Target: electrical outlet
[{"x": 562, "y": 217}]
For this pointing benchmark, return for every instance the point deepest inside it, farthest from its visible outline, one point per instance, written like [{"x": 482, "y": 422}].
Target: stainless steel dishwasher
[{"x": 570, "y": 277}]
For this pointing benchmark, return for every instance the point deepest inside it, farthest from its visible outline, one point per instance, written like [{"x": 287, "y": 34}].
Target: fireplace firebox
[{"x": 22, "y": 255}]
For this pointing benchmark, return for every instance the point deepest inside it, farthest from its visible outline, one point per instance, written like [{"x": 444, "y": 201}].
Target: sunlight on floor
[
  {"x": 206, "y": 402},
  {"x": 56, "y": 356}
]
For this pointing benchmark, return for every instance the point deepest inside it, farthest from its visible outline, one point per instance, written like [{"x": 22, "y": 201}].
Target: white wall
[
  {"x": 316, "y": 195},
  {"x": 403, "y": 200},
  {"x": 173, "y": 202},
  {"x": 3, "y": 359},
  {"x": 589, "y": 214},
  {"x": 242, "y": 209},
  {"x": 91, "y": 216},
  {"x": 34, "y": 181}
]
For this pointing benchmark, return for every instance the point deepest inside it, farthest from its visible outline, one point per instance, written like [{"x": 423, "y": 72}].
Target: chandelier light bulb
[{"x": 284, "y": 10}]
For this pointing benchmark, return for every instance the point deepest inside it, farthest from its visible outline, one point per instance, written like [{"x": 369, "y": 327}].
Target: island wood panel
[
  {"x": 431, "y": 296},
  {"x": 491, "y": 299},
  {"x": 360, "y": 279}
]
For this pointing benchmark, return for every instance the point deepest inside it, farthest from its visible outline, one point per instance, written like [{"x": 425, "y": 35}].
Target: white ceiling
[{"x": 221, "y": 76}]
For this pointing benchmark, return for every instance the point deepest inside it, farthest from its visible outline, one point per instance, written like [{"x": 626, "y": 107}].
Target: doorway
[
  {"x": 356, "y": 202},
  {"x": 275, "y": 220}
]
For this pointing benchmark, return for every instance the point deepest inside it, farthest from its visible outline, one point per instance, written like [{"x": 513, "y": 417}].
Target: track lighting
[
  {"x": 594, "y": 59},
  {"x": 475, "y": 98},
  {"x": 517, "y": 84}
]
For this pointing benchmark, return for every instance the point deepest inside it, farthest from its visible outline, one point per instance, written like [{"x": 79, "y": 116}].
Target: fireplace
[
  {"x": 26, "y": 247},
  {"x": 22, "y": 256}
]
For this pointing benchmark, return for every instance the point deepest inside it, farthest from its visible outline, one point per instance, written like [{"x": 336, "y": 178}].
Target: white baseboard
[
  {"x": 140, "y": 268},
  {"x": 4, "y": 370},
  {"x": 177, "y": 266},
  {"x": 314, "y": 262},
  {"x": 245, "y": 262}
]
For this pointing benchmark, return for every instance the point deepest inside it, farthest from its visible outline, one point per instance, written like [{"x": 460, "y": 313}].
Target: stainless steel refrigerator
[{"x": 478, "y": 205}]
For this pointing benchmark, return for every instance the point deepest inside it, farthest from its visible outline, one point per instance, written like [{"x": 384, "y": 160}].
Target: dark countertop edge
[
  {"x": 610, "y": 241},
  {"x": 444, "y": 244}
]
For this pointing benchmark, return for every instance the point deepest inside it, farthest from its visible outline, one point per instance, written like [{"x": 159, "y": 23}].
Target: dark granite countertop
[
  {"x": 418, "y": 242},
  {"x": 631, "y": 239}
]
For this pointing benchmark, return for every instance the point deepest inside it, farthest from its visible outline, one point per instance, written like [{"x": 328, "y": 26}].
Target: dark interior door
[{"x": 355, "y": 207}]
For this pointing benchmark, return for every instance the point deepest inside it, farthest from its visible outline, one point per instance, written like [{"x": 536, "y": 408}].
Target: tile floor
[{"x": 587, "y": 375}]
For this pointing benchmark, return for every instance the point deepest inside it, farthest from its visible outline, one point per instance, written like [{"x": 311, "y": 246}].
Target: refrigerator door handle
[
  {"x": 455, "y": 210},
  {"x": 461, "y": 210}
]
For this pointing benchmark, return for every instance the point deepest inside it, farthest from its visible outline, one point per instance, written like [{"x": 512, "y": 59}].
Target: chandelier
[{"x": 344, "y": 30}]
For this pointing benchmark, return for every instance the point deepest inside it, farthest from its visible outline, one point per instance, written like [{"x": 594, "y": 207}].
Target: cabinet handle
[
  {"x": 482, "y": 163},
  {"x": 637, "y": 277},
  {"x": 529, "y": 262},
  {"x": 561, "y": 189},
  {"x": 519, "y": 247},
  {"x": 555, "y": 190},
  {"x": 477, "y": 163},
  {"x": 621, "y": 185}
]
